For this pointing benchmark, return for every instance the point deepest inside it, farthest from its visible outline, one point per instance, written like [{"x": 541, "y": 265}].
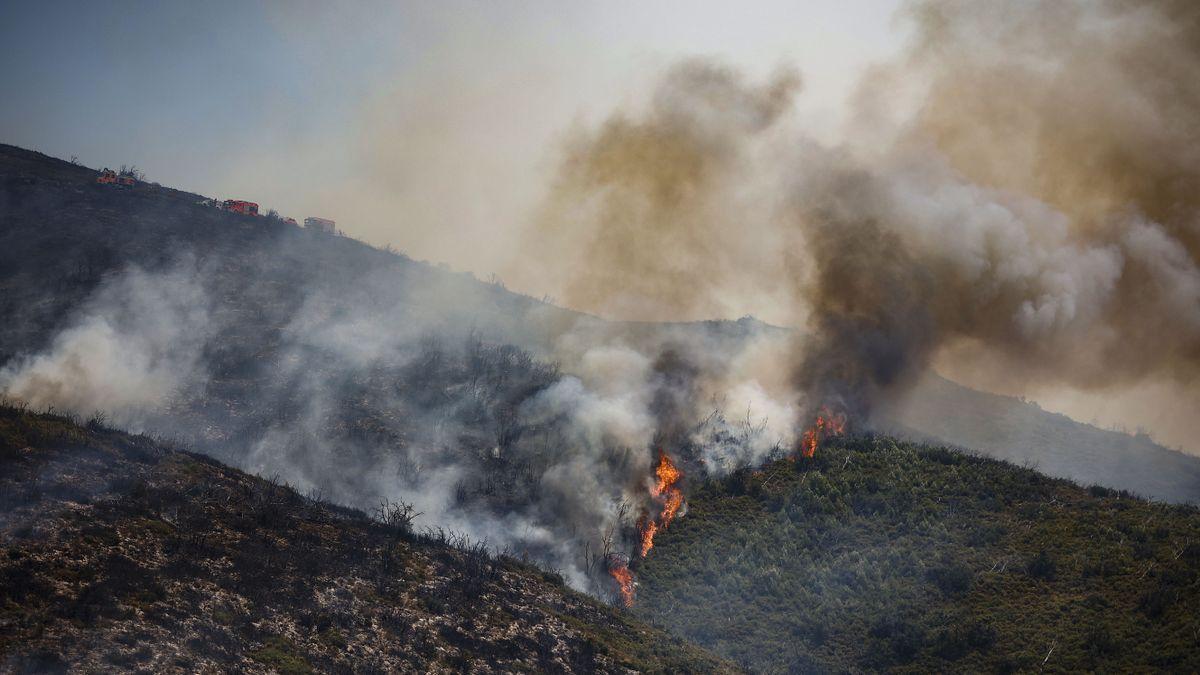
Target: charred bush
[
  {"x": 397, "y": 517},
  {"x": 271, "y": 504},
  {"x": 477, "y": 567},
  {"x": 98, "y": 421}
]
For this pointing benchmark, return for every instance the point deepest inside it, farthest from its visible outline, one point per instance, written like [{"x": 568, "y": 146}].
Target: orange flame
[
  {"x": 647, "y": 528},
  {"x": 827, "y": 424},
  {"x": 668, "y": 495},
  {"x": 667, "y": 474},
  {"x": 808, "y": 444},
  {"x": 835, "y": 422},
  {"x": 674, "y": 500},
  {"x": 620, "y": 571}
]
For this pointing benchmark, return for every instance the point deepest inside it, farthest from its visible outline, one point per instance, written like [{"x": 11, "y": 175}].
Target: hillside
[
  {"x": 1008, "y": 428},
  {"x": 122, "y": 554},
  {"x": 286, "y": 312},
  {"x": 884, "y": 555},
  {"x": 363, "y": 377}
]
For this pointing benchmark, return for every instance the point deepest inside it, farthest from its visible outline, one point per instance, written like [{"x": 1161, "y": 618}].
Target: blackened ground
[{"x": 121, "y": 554}]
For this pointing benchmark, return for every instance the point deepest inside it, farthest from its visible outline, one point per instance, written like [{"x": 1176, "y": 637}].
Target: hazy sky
[{"x": 429, "y": 126}]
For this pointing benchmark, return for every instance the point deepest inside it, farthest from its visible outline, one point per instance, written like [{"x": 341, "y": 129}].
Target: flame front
[
  {"x": 620, "y": 571},
  {"x": 667, "y": 474},
  {"x": 667, "y": 494},
  {"x": 647, "y": 528},
  {"x": 666, "y": 490},
  {"x": 827, "y": 424},
  {"x": 669, "y": 497}
]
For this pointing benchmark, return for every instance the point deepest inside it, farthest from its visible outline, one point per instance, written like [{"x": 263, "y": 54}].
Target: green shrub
[
  {"x": 279, "y": 653},
  {"x": 1042, "y": 566}
]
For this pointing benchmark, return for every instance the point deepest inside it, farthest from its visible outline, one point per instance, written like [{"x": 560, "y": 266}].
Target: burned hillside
[{"x": 123, "y": 553}]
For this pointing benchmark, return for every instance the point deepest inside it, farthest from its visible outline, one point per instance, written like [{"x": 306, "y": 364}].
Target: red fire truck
[
  {"x": 239, "y": 206},
  {"x": 110, "y": 177}
]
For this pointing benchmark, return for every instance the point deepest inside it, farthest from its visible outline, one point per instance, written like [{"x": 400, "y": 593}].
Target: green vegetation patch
[
  {"x": 282, "y": 655},
  {"x": 886, "y": 555}
]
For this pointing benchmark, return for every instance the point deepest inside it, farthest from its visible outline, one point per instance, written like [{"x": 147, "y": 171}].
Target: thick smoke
[
  {"x": 649, "y": 214},
  {"x": 370, "y": 381},
  {"x": 1036, "y": 211},
  {"x": 1017, "y": 192}
]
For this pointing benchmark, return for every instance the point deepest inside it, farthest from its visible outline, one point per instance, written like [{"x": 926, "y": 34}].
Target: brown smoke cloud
[
  {"x": 1017, "y": 196},
  {"x": 1073, "y": 128},
  {"x": 650, "y": 217}
]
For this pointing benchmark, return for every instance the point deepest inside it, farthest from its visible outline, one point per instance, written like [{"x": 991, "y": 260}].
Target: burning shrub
[{"x": 667, "y": 494}]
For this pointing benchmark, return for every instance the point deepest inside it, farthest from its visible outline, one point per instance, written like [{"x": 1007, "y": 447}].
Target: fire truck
[
  {"x": 238, "y": 206},
  {"x": 320, "y": 225},
  {"x": 110, "y": 177}
]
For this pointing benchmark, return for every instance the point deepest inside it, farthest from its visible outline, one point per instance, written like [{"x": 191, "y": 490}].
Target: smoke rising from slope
[
  {"x": 1039, "y": 194},
  {"x": 135, "y": 343},
  {"x": 648, "y": 214},
  {"x": 367, "y": 377},
  {"x": 1019, "y": 190}
]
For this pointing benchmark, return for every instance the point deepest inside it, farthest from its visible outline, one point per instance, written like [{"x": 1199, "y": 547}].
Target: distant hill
[
  {"x": 1009, "y": 428},
  {"x": 120, "y": 554},
  {"x": 884, "y": 555}
]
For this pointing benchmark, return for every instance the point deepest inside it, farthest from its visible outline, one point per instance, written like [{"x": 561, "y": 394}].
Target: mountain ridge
[{"x": 62, "y": 236}]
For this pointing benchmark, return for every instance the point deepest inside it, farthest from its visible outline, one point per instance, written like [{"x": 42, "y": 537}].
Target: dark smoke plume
[
  {"x": 1016, "y": 195},
  {"x": 1037, "y": 210}
]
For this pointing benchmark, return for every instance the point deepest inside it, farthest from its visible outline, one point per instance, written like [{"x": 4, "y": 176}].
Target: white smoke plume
[{"x": 126, "y": 353}]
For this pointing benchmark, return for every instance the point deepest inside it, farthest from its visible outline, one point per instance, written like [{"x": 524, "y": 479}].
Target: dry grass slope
[{"x": 120, "y": 553}]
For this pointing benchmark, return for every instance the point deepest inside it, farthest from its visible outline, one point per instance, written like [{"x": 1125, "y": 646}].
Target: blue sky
[
  {"x": 170, "y": 86},
  {"x": 428, "y": 126}
]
